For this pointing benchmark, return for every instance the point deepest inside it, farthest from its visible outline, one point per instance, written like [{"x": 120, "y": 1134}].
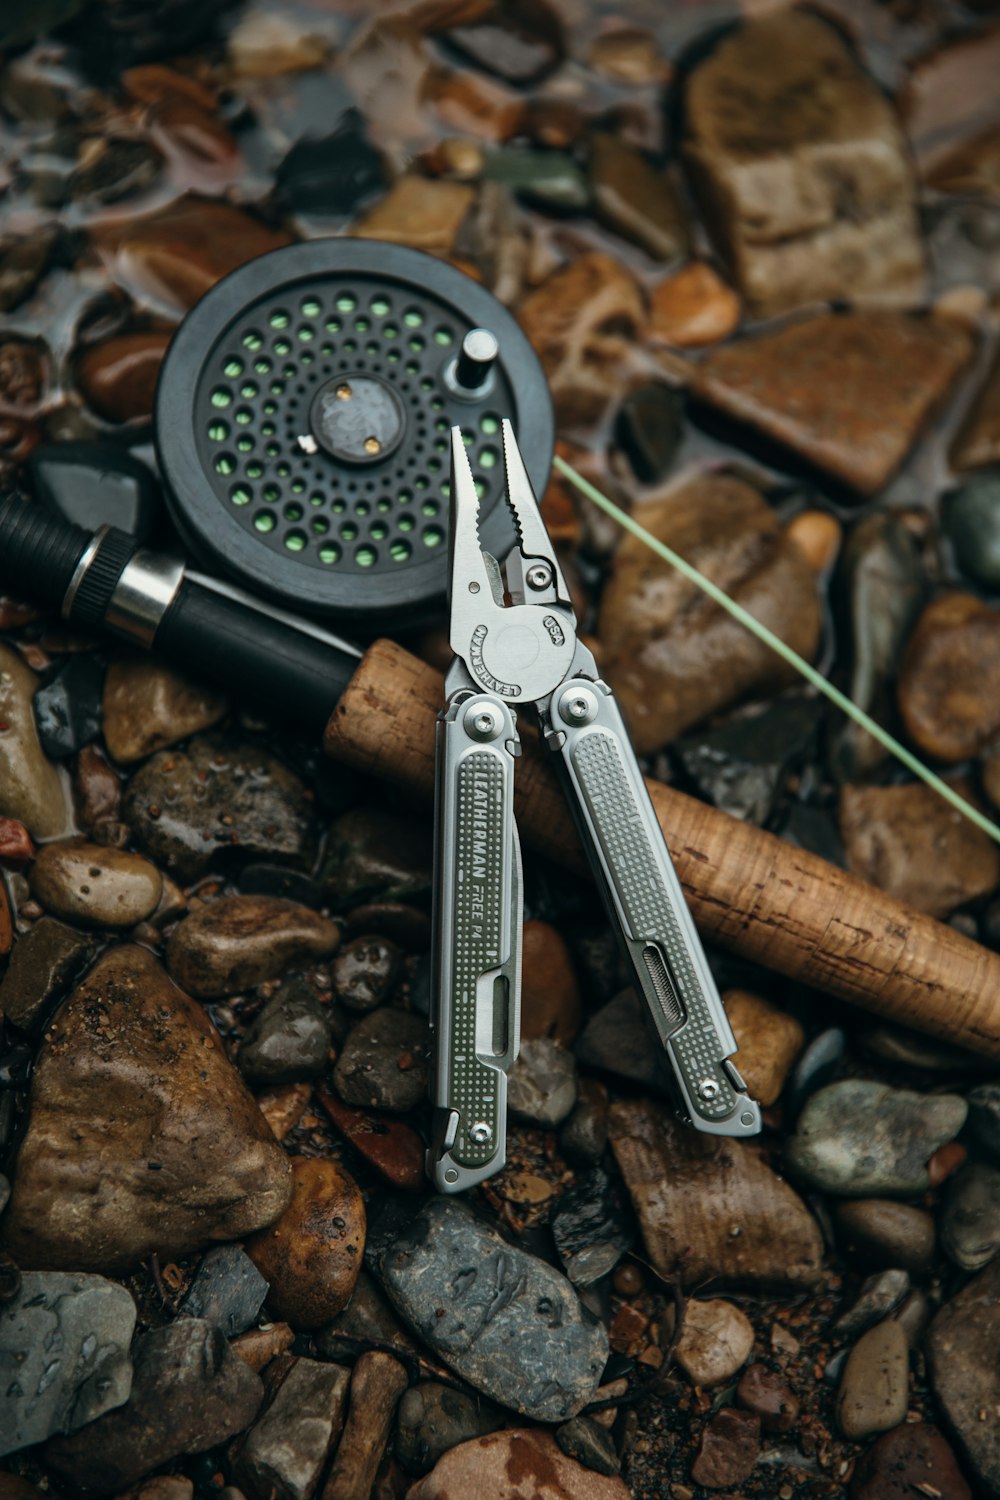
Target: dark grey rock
[
  {"x": 616, "y": 1040},
  {"x": 227, "y": 1291},
  {"x": 68, "y": 707},
  {"x": 813, "y": 829},
  {"x": 541, "y": 1086},
  {"x": 279, "y": 880},
  {"x": 584, "y": 1135},
  {"x": 93, "y": 484},
  {"x": 333, "y": 175},
  {"x": 289, "y": 1039},
  {"x": 189, "y": 1392},
  {"x": 742, "y": 766},
  {"x": 863, "y": 1139},
  {"x": 45, "y": 961},
  {"x": 383, "y": 1064},
  {"x": 285, "y": 1451},
  {"x": 984, "y": 1115},
  {"x": 502, "y": 1319},
  {"x": 590, "y": 1444},
  {"x": 970, "y": 1221},
  {"x": 962, "y": 1345},
  {"x": 367, "y": 1319},
  {"x": 971, "y": 520},
  {"x": 648, "y": 428},
  {"x": 880, "y": 1295},
  {"x": 432, "y": 1418},
  {"x": 366, "y": 971},
  {"x": 590, "y": 1228},
  {"x": 880, "y": 1232},
  {"x": 219, "y": 800},
  {"x": 815, "y": 1066},
  {"x": 4, "y": 1192},
  {"x": 909, "y": 1049},
  {"x": 64, "y": 1355},
  {"x": 373, "y": 855}
]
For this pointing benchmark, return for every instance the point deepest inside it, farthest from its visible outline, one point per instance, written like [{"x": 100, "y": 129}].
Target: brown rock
[
  {"x": 949, "y": 681},
  {"x": 818, "y": 535},
  {"x": 635, "y": 199},
  {"x": 387, "y": 68},
  {"x": 518, "y": 1464},
  {"x": 692, "y": 308},
  {"x": 972, "y": 169},
  {"x": 962, "y": 1350},
  {"x": 874, "y": 1385},
  {"x": 949, "y": 92},
  {"x": 765, "y": 1393},
  {"x": 96, "y": 789},
  {"x": 142, "y": 1135},
  {"x": 801, "y": 167},
  {"x": 977, "y": 442},
  {"x": 118, "y": 378},
  {"x": 550, "y": 995},
  {"x": 583, "y": 322},
  {"x": 237, "y": 942},
  {"x": 391, "y": 1146},
  {"x": 469, "y": 104},
  {"x": 421, "y": 212},
  {"x": 730, "y": 1443},
  {"x": 311, "y": 1256},
  {"x": 285, "y": 1452},
  {"x": 769, "y": 1040},
  {"x": 906, "y": 840},
  {"x": 44, "y": 960},
  {"x": 848, "y": 392},
  {"x": 715, "y": 1340},
  {"x": 283, "y": 1107},
  {"x": 911, "y": 1460},
  {"x": 16, "y": 847},
  {"x": 31, "y": 790},
  {"x": 628, "y": 56},
  {"x": 672, "y": 656},
  {"x": 377, "y": 1383},
  {"x": 147, "y": 706},
  {"x": 885, "y": 1234},
  {"x": 258, "y": 1346},
  {"x": 710, "y": 1209},
  {"x": 95, "y": 886}
]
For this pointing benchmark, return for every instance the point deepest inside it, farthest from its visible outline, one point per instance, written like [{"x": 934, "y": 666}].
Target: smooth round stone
[
  {"x": 818, "y": 536},
  {"x": 97, "y": 791},
  {"x": 541, "y": 1086},
  {"x": 971, "y": 518},
  {"x": 692, "y": 308},
  {"x": 768, "y": 1041},
  {"x": 970, "y": 1222},
  {"x": 880, "y": 1295},
  {"x": 874, "y": 1386},
  {"x": 237, "y": 942},
  {"x": 716, "y": 1340},
  {"x": 383, "y": 1064},
  {"x": 484, "y": 1469},
  {"x": 148, "y": 706},
  {"x": 883, "y": 1233},
  {"x": 288, "y": 1040},
  {"x": 31, "y": 790},
  {"x": 118, "y": 378},
  {"x": 95, "y": 886},
  {"x": 550, "y": 995},
  {"x": 433, "y": 1418},
  {"x": 312, "y": 1255},
  {"x": 949, "y": 679},
  {"x": 365, "y": 972},
  {"x": 765, "y": 1392},
  {"x": 816, "y": 1066},
  {"x": 910, "y": 1460}
]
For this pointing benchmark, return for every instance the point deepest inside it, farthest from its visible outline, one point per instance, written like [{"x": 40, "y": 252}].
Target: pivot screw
[
  {"x": 483, "y": 722},
  {"x": 538, "y": 576},
  {"x": 708, "y": 1089},
  {"x": 577, "y": 707},
  {"x": 480, "y": 1133}
]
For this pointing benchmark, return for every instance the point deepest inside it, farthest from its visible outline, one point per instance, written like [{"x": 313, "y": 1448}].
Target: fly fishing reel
[{"x": 303, "y": 417}]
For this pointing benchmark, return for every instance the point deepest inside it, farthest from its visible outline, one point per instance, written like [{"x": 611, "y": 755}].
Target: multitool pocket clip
[{"x": 526, "y": 652}]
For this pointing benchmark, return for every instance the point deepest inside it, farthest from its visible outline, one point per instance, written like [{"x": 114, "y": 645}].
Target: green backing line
[{"x": 776, "y": 644}]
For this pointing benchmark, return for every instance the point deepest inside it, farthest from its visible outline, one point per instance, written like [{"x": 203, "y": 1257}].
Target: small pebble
[
  {"x": 874, "y": 1387},
  {"x": 384, "y": 1062},
  {"x": 542, "y": 1083},
  {"x": 94, "y": 886}
]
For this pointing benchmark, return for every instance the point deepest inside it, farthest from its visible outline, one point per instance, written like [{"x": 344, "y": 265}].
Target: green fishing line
[{"x": 776, "y": 644}]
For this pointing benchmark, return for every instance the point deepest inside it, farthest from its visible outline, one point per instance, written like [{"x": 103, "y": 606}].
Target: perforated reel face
[{"x": 316, "y": 465}]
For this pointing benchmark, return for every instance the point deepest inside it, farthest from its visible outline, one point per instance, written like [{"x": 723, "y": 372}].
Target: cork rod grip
[{"x": 749, "y": 891}]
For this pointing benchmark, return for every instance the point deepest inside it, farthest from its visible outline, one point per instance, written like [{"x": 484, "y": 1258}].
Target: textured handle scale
[{"x": 627, "y": 851}]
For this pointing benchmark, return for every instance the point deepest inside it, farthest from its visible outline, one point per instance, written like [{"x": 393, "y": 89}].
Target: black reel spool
[{"x": 303, "y": 417}]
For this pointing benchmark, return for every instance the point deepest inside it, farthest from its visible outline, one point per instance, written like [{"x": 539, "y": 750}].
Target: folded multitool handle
[
  {"x": 624, "y": 844},
  {"x": 477, "y": 918}
]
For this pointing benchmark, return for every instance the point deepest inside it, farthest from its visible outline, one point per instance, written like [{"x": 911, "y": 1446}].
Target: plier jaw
[{"x": 516, "y": 643}]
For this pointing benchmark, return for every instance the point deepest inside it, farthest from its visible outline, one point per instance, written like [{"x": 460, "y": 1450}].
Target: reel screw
[
  {"x": 480, "y": 1133},
  {"x": 538, "y": 576},
  {"x": 344, "y": 392}
]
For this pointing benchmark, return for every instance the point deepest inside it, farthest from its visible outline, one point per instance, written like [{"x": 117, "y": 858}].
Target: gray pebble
[
  {"x": 289, "y": 1039},
  {"x": 541, "y": 1086},
  {"x": 880, "y": 1295},
  {"x": 984, "y": 1115},
  {"x": 584, "y": 1135},
  {"x": 815, "y": 1067},
  {"x": 432, "y": 1418},
  {"x": 590, "y": 1229},
  {"x": 285, "y": 1452},
  {"x": 42, "y": 965},
  {"x": 970, "y": 1222},
  {"x": 590, "y": 1444},
  {"x": 383, "y": 1064},
  {"x": 227, "y": 1290}
]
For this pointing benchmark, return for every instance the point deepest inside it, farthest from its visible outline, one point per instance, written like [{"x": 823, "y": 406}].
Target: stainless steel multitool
[{"x": 519, "y": 653}]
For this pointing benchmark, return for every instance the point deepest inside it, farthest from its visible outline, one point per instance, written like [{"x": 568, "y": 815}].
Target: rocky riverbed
[{"x": 759, "y": 257}]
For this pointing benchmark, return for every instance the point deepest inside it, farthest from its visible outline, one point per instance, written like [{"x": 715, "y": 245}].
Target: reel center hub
[{"x": 357, "y": 418}]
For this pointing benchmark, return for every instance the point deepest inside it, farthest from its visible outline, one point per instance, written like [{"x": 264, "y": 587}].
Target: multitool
[{"x": 517, "y": 645}]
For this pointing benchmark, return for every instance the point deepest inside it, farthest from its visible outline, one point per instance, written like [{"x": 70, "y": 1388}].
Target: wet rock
[
  {"x": 907, "y": 840},
  {"x": 227, "y": 1291},
  {"x": 284, "y": 1106},
  {"x": 971, "y": 517},
  {"x": 590, "y": 1444},
  {"x": 961, "y": 1348},
  {"x": 693, "y": 307},
  {"x": 44, "y": 961},
  {"x": 542, "y": 1083},
  {"x": 910, "y": 1460},
  {"x": 311, "y": 1256},
  {"x": 421, "y": 212},
  {"x": 801, "y": 167},
  {"x": 286, "y": 1449},
  {"x": 288, "y": 1040},
  {"x": 549, "y": 180},
  {"x": 710, "y": 1208},
  {"x": 278, "y": 880},
  {"x": 970, "y": 1223},
  {"x": 874, "y": 1386},
  {"x": 765, "y": 1393},
  {"x": 30, "y": 788},
  {"x": 377, "y": 1383},
  {"x": 332, "y": 175},
  {"x": 23, "y": 261},
  {"x": 818, "y": 536},
  {"x": 147, "y": 706},
  {"x": 189, "y": 1393},
  {"x": 743, "y": 764},
  {"x": 768, "y": 1040},
  {"x": 672, "y": 655},
  {"x": 816, "y": 1066},
  {"x": 788, "y": 385},
  {"x": 590, "y": 1229},
  {"x": 366, "y": 1319},
  {"x": 433, "y": 1418},
  {"x": 16, "y": 847},
  {"x": 374, "y": 855},
  {"x": 583, "y": 321},
  {"x": 392, "y": 1147},
  {"x": 649, "y": 428},
  {"x": 520, "y": 40},
  {"x": 860, "y": 1138},
  {"x": 946, "y": 680},
  {"x": 880, "y": 1232},
  {"x": 984, "y": 1113},
  {"x": 64, "y": 1345},
  {"x": 118, "y": 378},
  {"x": 68, "y": 707},
  {"x": 236, "y": 942},
  {"x": 584, "y": 1134},
  {"x": 727, "y": 1452},
  {"x": 365, "y": 972},
  {"x": 880, "y": 1295},
  {"x": 550, "y": 995},
  {"x": 184, "y": 1158},
  {"x": 94, "y": 886},
  {"x": 716, "y": 1340},
  {"x": 977, "y": 443},
  {"x": 503, "y": 1320},
  {"x": 383, "y": 1064},
  {"x": 635, "y": 199},
  {"x": 96, "y": 791},
  {"x": 517, "y": 1464},
  {"x": 219, "y": 797}
]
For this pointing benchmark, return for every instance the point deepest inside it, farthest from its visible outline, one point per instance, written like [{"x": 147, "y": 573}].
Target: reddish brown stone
[
  {"x": 949, "y": 680},
  {"x": 728, "y": 1450},
  {"x": 911, "y": 1460},
  {"x": 693, "y": 307},
  {"x": 550, "y": 995},
  {"x": 766, "y": 1393},
  {"x": 96, "y": 788},
  {"x": 392, "y": 1147},
  {"x": 16, "y": 847},
  {"x": 420, "y": 212},
  {"x": 118, "y": 378},
  {"x": 977, "y": 443}
]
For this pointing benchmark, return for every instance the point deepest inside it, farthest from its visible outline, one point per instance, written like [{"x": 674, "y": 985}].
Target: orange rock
[
  {"x": 550, "y": 995},
  {"x": 945, "y": 1162},
  {"x": 421, "y": 212},
  {"x": 949, "y": 681},
  {"x": 693, "y": 307},
  {"x": 155, "y": 84},
  {"x": 475, "y": 106},
  {"x": 817, "y": 534}
]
